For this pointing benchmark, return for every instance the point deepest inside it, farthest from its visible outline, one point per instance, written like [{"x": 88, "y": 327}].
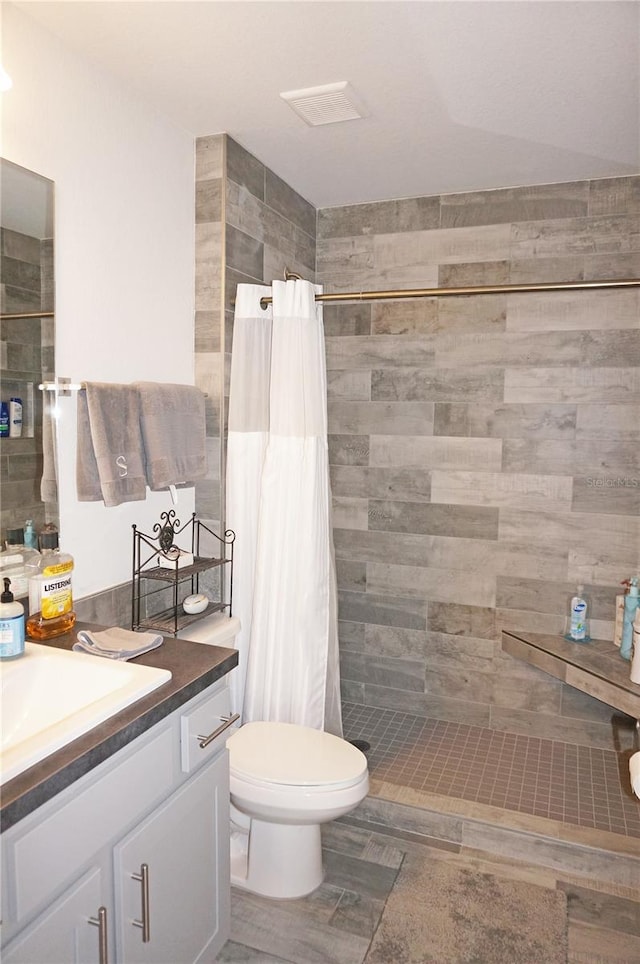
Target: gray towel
[
  {"x": 116, "y": 643},
  {"x": 172, "y": 420},
  {"x": 110, "y": 458}
]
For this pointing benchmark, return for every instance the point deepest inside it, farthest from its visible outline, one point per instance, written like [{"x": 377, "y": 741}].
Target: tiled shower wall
[
  {"x": 484, "y": 450},
  {"x": 250, "y": 226}
]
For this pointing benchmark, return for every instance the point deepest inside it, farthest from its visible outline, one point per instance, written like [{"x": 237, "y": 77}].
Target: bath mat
[{"x": 441, "y": 913}]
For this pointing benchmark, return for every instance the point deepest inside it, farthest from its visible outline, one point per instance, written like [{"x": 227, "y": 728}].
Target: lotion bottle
[
  {"x": 630, "y": 607},
  {"x": 11, "y": 624}
]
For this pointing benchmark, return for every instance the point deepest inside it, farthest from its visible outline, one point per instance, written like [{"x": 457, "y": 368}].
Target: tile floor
[
  {"x": 336, "y": 923},
  {"x": 545, "y": 778}
]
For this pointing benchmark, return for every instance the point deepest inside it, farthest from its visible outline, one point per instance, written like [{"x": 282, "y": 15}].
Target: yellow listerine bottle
[{"x": 50, "y": 593}]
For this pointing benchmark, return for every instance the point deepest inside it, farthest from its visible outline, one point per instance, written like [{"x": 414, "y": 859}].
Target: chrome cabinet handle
[
  {"x": 227, "y": 721},
  {"x": 101, "y": 923},
  {"x": 144, "y": 924}
]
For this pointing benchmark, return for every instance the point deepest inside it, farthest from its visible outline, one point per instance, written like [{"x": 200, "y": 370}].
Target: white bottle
[
  {"x": 15, "y": 417},
  {"x": 578, "y": 618},
  {"x": 11, "y": 624}
]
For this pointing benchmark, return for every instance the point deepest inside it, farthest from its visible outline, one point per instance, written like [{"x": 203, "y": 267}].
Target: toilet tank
[{"x": 215, "y": 630}]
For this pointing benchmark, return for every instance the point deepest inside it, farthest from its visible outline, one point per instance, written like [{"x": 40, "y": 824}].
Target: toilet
[{"x": 285, "y": 781}]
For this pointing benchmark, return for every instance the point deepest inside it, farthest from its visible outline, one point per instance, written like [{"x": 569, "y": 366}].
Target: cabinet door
[
  {"x": 63, "y": 934},
  {"x": 182, "y": 849}
]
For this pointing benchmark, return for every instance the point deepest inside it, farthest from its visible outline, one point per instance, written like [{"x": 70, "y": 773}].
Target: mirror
[{"x": 26, "y": 343}]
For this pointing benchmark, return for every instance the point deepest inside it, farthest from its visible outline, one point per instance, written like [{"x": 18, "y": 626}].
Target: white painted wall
[{"x": 124, "y": 261}]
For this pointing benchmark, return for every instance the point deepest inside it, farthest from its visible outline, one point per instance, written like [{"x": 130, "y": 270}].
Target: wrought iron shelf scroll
[{"x": 158, "y": 592}]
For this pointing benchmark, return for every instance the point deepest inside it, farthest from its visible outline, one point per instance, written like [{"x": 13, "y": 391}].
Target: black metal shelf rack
[{"x": 150, "y": 581}]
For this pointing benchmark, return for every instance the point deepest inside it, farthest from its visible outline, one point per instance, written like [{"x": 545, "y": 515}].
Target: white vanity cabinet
[{"x": 131, "y": 862}]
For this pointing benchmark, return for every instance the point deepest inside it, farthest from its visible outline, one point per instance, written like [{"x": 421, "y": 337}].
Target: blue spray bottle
[{"x": 631, "y": 601}]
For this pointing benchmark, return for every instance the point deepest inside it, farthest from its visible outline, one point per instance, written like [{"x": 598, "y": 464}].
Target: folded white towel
[
  {"x": 110, "y": 458},
  {"x": 172, "y": 421},
  {"x": 116, "y": 643}
]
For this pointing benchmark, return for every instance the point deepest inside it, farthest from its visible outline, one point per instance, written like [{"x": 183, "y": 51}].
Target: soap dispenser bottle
[
  {"x": 631, "y": 601},
  {"x": 578, "y": 618},
  {"x": 11, "y": 624}
]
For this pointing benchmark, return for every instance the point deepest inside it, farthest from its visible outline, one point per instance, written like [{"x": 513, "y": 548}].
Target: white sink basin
[{"x": 52, "y": 696}]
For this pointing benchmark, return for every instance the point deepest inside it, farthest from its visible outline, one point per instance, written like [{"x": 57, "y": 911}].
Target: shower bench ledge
[{"x": 595, "y": 668}]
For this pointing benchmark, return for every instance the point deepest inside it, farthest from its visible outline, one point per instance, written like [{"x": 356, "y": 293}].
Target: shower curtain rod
[
  {"x": 468, "y": 290},
  {"x": 17, "y": 315}
]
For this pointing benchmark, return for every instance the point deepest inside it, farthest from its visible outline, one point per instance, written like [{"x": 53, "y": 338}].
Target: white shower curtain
[{"x": 279, "y": 506}]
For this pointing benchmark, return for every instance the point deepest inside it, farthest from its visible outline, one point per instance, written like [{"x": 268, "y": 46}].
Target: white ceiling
[{"x": 461, "y": 95}]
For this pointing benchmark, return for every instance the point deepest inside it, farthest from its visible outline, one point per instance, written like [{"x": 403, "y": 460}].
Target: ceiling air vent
[{"x": 329, "y": 104}]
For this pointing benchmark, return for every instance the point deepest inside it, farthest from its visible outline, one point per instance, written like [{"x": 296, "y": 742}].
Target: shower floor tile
[{"x": 578, "y": 785}]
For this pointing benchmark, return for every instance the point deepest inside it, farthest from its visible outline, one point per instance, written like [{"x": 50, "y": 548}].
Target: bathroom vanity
[{"x": 115, "y": 848}]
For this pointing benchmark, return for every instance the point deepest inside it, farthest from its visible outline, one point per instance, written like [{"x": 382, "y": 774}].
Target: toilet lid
[{"x": 285, "y": 753}]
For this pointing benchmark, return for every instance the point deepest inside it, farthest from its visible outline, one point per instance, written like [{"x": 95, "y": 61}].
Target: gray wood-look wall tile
[
  {"x": 605, "y": 234},
  {"x": 395, "y": 642},
  {"x": 511, "y": 349},
  {"x": 428, "y": 384},
  {"x": 209, "y": 157},
  {"x": 538, "y": 269},
  {"x": 382, "y": 608},
  {"x": 571, "y": 384},
  {"x": 348, "y": 449},
  {"x": 473, "y": 273},
  {"x": 604, "y": 266},
  {"x": 607, "y": 492},
  {"x": 351, "y": 576},
  {"x": 472, "y": 315},
  {"x": 412, "y": 485},
  {"x": 377, "y": 351},
  {"x": 608, "y": 421},
  {"x": 245, "y": 169},
  {"x": 398, "y": 673},
  {"x": 459, "y": 521},
  {"x": 287, "y": 202},
  {"x": 552, "y": 596},
  {"x": 508, "y": 421},
  {"x": 385, "y": 418},
  {"x": 209, "y": 200},
  {"x": 574, "y": 310},
  {"x": 437, "y": 707},
  {"x": 462, "y": 619},
  {"x": 442, "y": 585},
  {"x": 509, "y": 490},
  {"x": 615, "y": 195},
  {"x": 352, "y": 635},
  {"x": 350, "y": 513},
  {"x": 350, "y": 319},
  {"x": 564, "y": 457},
  {"x": 349, "y": 386},
  {"x": 408, "y": 318},
  {"x": 243, "y": 252},
  {"x": 535, "y": 203},
  {"x": 382, "y": 217},
  {"x": 431, "y": 452}
]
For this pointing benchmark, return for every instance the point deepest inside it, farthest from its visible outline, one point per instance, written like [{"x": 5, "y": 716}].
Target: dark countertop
[{"x": 194, "y": 667}]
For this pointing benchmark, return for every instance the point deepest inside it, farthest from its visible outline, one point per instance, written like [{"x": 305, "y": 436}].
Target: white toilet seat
[{"x": 293, "y": 757}]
